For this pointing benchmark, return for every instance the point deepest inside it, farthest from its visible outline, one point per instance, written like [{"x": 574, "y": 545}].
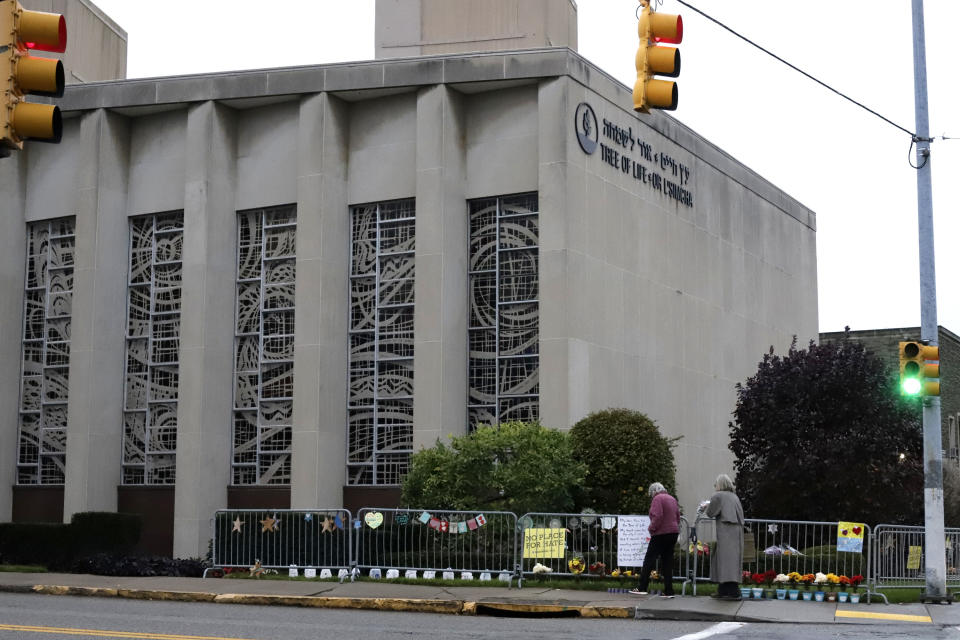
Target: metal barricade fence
[
  {"x": 318, "y": 538},
  {"x": 898, "y": 557},
  {"x": 559, "y": 541},
  {"x": 782, "y": 546},
  {"x": 419, "y": 540}
]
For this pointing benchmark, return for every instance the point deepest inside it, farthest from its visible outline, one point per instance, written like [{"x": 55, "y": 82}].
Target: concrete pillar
[
  {"x": 204, "y": 412},
  {"x": 441, "y": 293},
  {"x": 322, "y": 343},
  {"x": 94, "y": 415},
  {"x": 560, "y": 198},
  {"x": 12, "y": 264}
]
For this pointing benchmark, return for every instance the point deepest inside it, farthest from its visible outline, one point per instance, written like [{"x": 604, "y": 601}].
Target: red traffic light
[{"x": 43, "y": 31}]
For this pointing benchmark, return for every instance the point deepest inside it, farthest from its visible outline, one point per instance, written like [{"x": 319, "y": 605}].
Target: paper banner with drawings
[
  {"x": 543, "y": 543},
  {"x": 850, "y": 536},
  {"x": 632, "y": 540}
]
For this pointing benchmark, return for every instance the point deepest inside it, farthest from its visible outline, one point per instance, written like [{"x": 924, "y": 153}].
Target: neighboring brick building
[{"x": 883, "y": 342}]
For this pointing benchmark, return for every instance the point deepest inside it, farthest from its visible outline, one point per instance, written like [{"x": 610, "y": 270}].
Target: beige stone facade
[{"x": 665, "y": 270}]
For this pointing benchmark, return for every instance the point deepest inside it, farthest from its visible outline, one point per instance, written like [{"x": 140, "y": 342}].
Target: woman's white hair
[
  {"x": 724, "y": 483},
  {"x": 656, "y": 488}
]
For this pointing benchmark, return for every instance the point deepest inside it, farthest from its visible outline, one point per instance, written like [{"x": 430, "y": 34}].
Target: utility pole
[{"x": 935, "y": 552}]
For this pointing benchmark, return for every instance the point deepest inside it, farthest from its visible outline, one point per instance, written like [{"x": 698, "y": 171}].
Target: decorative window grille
[
  {"x": 504, "y": 323},
  {"x": 263, "y": 345},
  {"x": 44, "y": 379},
  {"x": 380, "y": 400},
  {"x": 153, "y": 349}
]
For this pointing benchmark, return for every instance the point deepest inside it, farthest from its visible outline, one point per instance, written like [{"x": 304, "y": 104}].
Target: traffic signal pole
[{"x": 935, "y": 552}]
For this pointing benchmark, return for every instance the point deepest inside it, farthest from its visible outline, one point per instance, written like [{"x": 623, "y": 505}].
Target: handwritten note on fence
[{"x": 632, "y": 540}]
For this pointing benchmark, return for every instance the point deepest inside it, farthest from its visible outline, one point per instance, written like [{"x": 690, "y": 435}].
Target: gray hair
[
  {"x": 656, "y": 488},
  {"x": 724, "y": 483}
]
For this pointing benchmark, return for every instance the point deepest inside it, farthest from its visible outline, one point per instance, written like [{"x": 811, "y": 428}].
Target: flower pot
[
  {"x": 818, "y": 596},
  {"x": 832, "y": 596},
  {"x": 781, "y": 594},
  {"x": 808, "y": 595},
  {"x": 855, "y": 598},
  {"x": 793, "y": 594},
  {"x": 757, "y": 593},
  {"x": 842, "y": 596},
  {"x": 745, "y": 593}
]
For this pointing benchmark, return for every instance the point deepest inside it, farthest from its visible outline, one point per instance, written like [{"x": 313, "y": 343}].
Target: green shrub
[
  {"x": 58, "y": 545},
  {"x": 516, "y": 466},
  {"x": 624, "y": 453}
]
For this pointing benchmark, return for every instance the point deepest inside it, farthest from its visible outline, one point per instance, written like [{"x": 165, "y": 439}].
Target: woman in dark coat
[{"x": 726, "y": 563}]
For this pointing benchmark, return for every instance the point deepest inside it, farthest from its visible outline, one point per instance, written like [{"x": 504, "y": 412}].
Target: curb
[{"x": 420, "y": 605}]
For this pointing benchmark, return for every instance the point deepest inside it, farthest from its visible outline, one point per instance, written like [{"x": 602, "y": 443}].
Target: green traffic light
[{"x": 911, "y": 386}]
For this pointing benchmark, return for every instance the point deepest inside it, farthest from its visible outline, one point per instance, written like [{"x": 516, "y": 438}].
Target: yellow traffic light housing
[
  {"x": 20, "y": 31},
  {"x": 650, "y": 92},
  {"x": 919, "y": 369}
]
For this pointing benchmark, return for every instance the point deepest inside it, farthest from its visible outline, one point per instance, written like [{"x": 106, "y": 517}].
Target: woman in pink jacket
[{"x": 664, "y": 528}]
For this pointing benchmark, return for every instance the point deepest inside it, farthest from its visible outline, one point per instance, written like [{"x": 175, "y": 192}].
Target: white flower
[
  {"x": 539, "y": 568},
  {"x": 820, "y": 578},
  {"x": 781, "y": 578}
]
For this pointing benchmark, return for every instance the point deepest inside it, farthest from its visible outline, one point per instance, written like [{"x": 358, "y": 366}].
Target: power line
[{"x": 801, "y": 71}]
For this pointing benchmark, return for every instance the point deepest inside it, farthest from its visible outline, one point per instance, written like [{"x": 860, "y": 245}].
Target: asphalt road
[{"x": 36, "y": 617}]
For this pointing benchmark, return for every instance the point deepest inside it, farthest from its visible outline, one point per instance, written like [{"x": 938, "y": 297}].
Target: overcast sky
[{"x": 850, "y": 167}]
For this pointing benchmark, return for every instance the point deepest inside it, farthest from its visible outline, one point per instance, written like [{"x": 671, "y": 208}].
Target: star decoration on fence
[
  {"x": 328, "y": 525},
  {"x": 269, "y": 524},
  {"x": 237, "y": 524}
]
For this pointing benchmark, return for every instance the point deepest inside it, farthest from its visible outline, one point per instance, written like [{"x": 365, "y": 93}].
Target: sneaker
[{"x": 637, "y": 592}]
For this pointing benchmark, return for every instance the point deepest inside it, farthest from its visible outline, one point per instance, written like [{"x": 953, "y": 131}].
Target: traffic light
[
  {"x": 919, "y": 369},
  {"x": 20, "y": 31},
  {"x": 650, "y": 92}
]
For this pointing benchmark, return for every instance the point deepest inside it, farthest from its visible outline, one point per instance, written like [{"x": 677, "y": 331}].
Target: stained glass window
[
  {"x": 504, "y": 319},
  {"x": 263, "y": 345},
  {"x": 380, "y": 399}
]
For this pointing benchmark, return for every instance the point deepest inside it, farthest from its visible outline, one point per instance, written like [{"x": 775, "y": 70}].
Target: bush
[
  {"x": 624, "y": 453},
  {"x": 57, "y": 545},
  {"x": 518, "y": 467},
  {"x": 105, "y": 564}
]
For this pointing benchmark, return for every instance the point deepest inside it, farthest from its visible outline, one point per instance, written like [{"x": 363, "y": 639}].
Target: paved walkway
[{"x": 469, "y": 600}]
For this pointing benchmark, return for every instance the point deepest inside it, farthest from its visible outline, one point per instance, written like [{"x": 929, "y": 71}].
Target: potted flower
[
  {"x": 855, "y": 588},
  {"x": 781, "y": 580},
  {"x": 844, "y": 584},
  {"x": 793, "y": 579},
  {"x": 833, "y": 580},
  {"x": 806, "y": 580},
  {"x": 768, "y": 577},
  {"x": 757, "y": 589},
  {"x": 821, "y": 581},
  {"x": 746, "y": 579}
]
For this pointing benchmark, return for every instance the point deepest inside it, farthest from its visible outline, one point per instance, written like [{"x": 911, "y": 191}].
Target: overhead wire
[{"x": 802, "y": 72}]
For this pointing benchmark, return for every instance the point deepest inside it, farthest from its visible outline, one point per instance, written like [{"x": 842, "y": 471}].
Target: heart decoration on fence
[{"x": 373, "y": 519}]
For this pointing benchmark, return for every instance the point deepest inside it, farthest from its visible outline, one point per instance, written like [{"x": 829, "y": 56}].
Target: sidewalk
[{"x": 530, "y": 600}]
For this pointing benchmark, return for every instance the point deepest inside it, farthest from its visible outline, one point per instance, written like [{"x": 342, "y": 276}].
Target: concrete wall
[
  {"x": 427, "y": 27},
  {"x": 646, "y": 302},
  {"x": 96, "y": 45},
  {"x": 653, "y": 305}
]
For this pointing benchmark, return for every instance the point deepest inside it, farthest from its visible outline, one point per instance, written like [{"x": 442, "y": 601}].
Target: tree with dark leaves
[{"x": 823, "y": 433}]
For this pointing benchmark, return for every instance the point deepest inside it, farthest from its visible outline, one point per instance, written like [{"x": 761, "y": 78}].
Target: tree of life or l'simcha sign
[{"x": 633, "y": 538}]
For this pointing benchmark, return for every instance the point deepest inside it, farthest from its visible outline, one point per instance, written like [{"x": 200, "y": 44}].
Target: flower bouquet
[
  {"x": 576, "y": 565},
  {"x": 793, "y": 580},
  {"x": 598, "y": 569}
]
